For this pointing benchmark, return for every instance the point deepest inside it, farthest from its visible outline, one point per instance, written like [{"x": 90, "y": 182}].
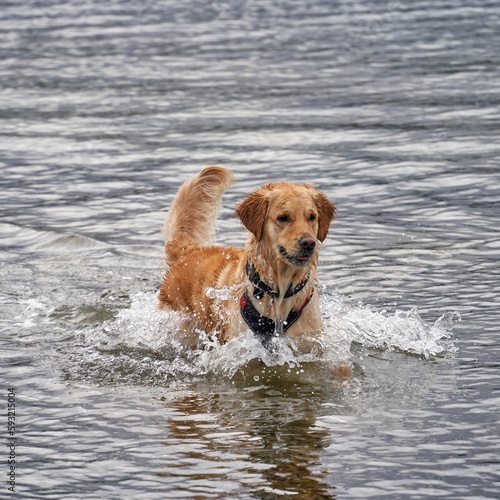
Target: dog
[{"x": 269, "y": 285}]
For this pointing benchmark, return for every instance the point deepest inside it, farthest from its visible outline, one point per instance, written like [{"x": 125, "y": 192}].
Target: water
[{"x": 389, "y": 107}]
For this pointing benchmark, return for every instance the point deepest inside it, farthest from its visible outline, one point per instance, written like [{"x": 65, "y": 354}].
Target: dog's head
[{"x": 289, "y": 218}]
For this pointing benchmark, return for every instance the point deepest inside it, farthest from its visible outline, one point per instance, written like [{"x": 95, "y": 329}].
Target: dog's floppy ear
[
  {"x": 252, "y": 212},
  {"x": 326, "y": 212}
]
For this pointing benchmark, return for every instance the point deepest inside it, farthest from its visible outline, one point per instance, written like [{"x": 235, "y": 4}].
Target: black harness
[
  {"x": 261, "y": 288},
  {"x": 263, "y": 327}
]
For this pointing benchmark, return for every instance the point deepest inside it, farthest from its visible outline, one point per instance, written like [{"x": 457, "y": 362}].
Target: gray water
[{"x": 391, "y": 108}]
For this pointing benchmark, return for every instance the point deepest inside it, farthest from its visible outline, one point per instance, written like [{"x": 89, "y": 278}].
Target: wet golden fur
[{"x": 206, "y": 281}]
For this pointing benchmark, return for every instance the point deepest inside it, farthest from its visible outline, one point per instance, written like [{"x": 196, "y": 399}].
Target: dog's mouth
[{"x": 299, "y": 259}]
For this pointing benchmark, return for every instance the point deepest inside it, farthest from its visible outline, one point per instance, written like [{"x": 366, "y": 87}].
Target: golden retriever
[{"x": 269, "y": 285}]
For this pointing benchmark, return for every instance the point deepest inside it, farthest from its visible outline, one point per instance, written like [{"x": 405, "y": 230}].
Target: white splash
[
  {"x": 143, "y": 342},
  {"x": 402, "y": 330}
]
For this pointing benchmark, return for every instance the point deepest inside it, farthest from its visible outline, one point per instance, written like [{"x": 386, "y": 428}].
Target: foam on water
[
  {"x": 144, "y": 344},
  {"x": 402, "y": 330}
]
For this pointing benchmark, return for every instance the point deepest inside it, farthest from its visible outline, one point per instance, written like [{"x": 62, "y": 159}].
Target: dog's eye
[
  {"x": 283, "y": 218},
  {"x": 312, "y": 217}
]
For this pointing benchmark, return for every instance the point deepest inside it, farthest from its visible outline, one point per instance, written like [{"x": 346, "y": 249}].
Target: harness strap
[
  {"x": 264, "y": 327},
  {"x": 298, "y": 287},
  {"x": 261, "y": 288}
]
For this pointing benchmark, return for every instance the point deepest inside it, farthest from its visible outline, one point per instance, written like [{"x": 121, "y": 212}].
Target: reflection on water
[
  {"x": 260, "y": 437},
  {"x": 293, "y": 435},
  {"x": 390, "y": 107}
]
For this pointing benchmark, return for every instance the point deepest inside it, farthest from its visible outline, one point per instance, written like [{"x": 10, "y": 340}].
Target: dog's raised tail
[{"x": 192, "y": 215}]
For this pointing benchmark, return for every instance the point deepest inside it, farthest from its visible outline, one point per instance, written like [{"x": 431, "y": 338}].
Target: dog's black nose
[{"x": 307, "y": 243}]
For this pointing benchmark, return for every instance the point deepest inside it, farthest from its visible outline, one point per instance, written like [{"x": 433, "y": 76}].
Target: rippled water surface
[{"x": 390, "y": 107}]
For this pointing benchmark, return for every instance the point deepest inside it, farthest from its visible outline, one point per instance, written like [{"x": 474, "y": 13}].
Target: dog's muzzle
[{"x": 307, "y": 246}]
